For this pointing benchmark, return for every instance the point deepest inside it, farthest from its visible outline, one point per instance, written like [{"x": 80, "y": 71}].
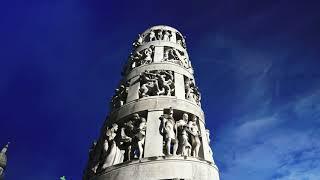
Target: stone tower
[
  {"x": 3, "y": 161},
  {"x": 156, "y": 127}
]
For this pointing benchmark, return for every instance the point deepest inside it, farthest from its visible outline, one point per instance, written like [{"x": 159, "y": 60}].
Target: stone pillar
[
  {"x": 158, "y": 54},
  {"x": 179, "y": 85},
  {"x": 153, "y": 142},
  {"x": 133, "y": 93}
]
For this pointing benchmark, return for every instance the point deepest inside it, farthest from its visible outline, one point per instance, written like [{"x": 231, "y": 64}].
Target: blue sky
[{"x": 256, "y": 63}]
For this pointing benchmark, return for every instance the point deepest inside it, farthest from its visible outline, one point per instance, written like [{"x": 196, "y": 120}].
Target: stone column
[
  {"x": 133, "y": 93},
  {"x": 154, "y": 140},
  {"x": 179, "y": 85},
  {"x": 158, "y": 54}
]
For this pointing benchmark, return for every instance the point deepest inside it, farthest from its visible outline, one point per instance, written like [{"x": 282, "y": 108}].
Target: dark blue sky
[{"x": 256, "y": 63}]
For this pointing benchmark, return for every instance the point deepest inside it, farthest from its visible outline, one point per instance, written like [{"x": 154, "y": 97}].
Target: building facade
[{"x": 156, "y": 127}]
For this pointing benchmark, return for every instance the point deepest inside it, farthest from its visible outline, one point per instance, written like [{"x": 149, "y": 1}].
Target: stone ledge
[
  {"x": 162, "y": 43},
  {"x": 159, "y": 66},
  {"x": 159, "y": 162},
  {"x": 157, "y": 103}
]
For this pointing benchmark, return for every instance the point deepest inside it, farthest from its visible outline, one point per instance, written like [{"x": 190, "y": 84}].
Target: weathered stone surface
[
  {"x": 160, "y": 168},
  {"x": 156, "y": 128},
  {"x": 153, "y": 144}
]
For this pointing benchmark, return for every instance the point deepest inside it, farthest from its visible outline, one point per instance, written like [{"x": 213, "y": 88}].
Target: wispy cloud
[{"x": 282, "y": 143}]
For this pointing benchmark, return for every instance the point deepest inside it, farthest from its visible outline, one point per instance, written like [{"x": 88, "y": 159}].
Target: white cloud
[
  {"x": 253, "y": 128},
  {"x": 269, "y": 147}
]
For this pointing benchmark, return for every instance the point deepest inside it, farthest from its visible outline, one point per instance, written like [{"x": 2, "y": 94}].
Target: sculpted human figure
[
  {"x": 184, "y": 42},
  {"x": 115, "y": 99},
  {"x": 152, "y": 36},
  {"x": 148, "y": 82},
  {"x": 172, "y": 55},
  {"x": 157, "y": 83},
  {"x": 183, "y": 60},
  {"x": 147, "y": 55},
  {"x": 195, "y": 136},
  {"x": 135, "y": 59},
  {"x": 165, "y": 82},
  {"x": 197, "y": 95},
  {"x": 120, "y": 96},
  {"x": 139, "y": 41},
  {"x": 92, "y": 163},
  {"x": 160, "y": 35},
  {"x": 192, "y": 91},
  {"x": 188, "y": 85},
  {"x": 167, "y": 35},
  {"x": 140, "y": 135},
  {"x": 126, "y": 138},
  {"x": 123, "y": 94},
  {"x": 166, "y": 55},
  {"x": 184, "y": 145},
  {"x": 111, "y": 153},
  {"x": 169, "y": 130}
]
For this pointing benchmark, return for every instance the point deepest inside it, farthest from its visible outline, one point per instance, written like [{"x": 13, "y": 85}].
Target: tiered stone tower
[
  {"x": 156, "y": 127},
  {"x": 3, "y": 161}
]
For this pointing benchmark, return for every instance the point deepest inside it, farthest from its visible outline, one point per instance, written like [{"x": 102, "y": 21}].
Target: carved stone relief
[
  {"x": 140, "y": 58},
  {"x": 181, "y": 40},
  {"x": 167, "y": 35},
  {"x": 121, "y": 142},
  {"x": 120, "y": 96},
  {"x": 180, "y": 137},
  {"x": 132, "y": 137},
  {"x": 192, "y": 92},
  {"x": 139, "y": 41},
  {"x": 175, "y": 56},
  {"x": 111, "y": 153},
  {"x": 160, "y": 34},
  {"x": 195, "y": 135},
  {"x": 183, "y": 136},
  {"x": 169, "y": 131},
  {"x": 156, "y": 83},
  {"x": 152, "y": 36}
]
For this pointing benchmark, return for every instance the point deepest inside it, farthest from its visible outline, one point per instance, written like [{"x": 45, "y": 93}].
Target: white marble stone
[
  {"x": 133, "y": 89},
  {"x": 153, "y": 122},
  {"x": 179, "y": 84},
  {"x": 153, "y": 144}
]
